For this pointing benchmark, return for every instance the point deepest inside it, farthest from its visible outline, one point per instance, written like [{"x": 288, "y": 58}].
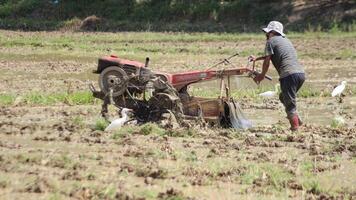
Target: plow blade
[{"x": 237, "y": 118}]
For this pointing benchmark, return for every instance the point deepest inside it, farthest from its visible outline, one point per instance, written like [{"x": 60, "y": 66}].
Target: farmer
[{"x": 291, "y": 73}]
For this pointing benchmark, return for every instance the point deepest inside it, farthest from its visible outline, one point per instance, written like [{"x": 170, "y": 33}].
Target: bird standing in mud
[
  {"x": 339, "y": 89},
  {"x": 117, "y": 123},
  {"x": 270, "y": 94}
]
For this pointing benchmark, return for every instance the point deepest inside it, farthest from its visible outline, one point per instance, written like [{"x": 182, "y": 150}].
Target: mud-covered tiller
[{"x": 131, "y": 84}]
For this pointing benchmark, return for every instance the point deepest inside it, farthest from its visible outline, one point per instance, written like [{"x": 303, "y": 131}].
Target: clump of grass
[
  {"x": 101, "y": 124},
  {"x": 191, "y": 157},
  {"x": 55, "y": 196},
  {"x": 278, "y": 177},
  {"x": 108, "y": 192},
  {"x": 78, "y": 121},
  {"x": 151, "y": 128},
  {"x": 250, "y": 173},
  {"x": 126, "y": 130},
  {"x": 172, "y": 194},
  {"x": 154, "y": 172},
  {"x": 180, "y": 132},
  {"x": 306, "y": 169},
  {"x": 266, "y": 173},
  {"x": 337, "y": 122},
  {"x": 313, "y": 186},
  {"x": 4, "y": 183},
  {"x": 39, "y": 185},
  {"x": 147, "y": 193},
  {"x": 36, "y": 98},
  {"x": 7, "y": 99},
  {"x": 308, "y": 91},
  {"x": 156, "y": 153},
  {"x": 28, "y": 158},
  {"x": 61, "y": 161},
  {"x": 79, "y": 98},
  {"x": 90, "y": 176}
]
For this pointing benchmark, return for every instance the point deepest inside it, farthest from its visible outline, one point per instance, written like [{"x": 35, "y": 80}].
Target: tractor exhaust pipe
[{"x": 147, "y": 61}]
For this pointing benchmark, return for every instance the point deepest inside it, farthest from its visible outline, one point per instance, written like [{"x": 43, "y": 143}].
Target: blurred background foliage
[{"x": 180, "y": 15}]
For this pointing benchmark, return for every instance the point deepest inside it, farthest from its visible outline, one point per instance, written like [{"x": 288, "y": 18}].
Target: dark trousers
[{"x": 290, "y": 86}]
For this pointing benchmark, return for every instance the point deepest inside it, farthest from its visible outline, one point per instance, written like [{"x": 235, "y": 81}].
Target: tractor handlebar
[{"x": 255, "y": 73}]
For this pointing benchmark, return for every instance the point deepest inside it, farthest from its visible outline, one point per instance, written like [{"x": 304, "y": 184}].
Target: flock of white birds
[{"x": 336, "y": 92}]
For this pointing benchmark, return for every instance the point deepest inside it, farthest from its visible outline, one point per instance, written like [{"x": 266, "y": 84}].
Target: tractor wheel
[{"x": 114, "y": 78}]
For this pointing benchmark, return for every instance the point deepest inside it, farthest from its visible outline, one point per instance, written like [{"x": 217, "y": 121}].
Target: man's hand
[
  {"x": 259, "y": 78},
  {"x": 252, "y": 58}
]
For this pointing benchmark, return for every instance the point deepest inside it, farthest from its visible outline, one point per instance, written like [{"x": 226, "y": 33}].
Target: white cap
[{"x": 274, "y": 26}]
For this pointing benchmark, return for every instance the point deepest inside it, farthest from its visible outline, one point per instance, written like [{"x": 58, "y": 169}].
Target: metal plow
[{"x": 237, "y": 118}]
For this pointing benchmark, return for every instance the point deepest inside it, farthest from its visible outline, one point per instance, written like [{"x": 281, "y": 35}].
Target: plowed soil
[{"x": 53, "y": 151}]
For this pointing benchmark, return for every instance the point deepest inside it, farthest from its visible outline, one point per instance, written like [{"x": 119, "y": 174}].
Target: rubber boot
[{"x": 294, "y": 122}]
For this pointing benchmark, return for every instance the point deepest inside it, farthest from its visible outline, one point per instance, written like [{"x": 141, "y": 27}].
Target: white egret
[
  {"x": 339, "y": 89},
  {"x": 119, "y": 122},
  {"x": 270, "y": 94}
]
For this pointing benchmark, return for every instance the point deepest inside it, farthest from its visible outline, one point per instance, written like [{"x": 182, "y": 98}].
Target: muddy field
[{"x": 51, "y": 148}]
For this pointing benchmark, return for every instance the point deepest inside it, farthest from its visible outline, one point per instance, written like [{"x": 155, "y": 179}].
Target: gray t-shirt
[{"x": 283, "y": 56}]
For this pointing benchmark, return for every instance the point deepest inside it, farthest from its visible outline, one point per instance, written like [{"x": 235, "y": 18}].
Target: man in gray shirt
[{"x": 280, "y": 50}]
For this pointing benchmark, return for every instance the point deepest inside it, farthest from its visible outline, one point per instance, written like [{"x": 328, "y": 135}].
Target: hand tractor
[{"x": 150, "y": 94}]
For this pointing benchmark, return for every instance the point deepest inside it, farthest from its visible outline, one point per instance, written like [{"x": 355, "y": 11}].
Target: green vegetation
[
  {"x": 61, "y": 161},
  {"x": 101, "y": 124},
  {"x": 7, "y": 99},
  {"x": 86, "y": 98},
  {"x": 191, "y": 156},
  {"x": 36, "y": 98},
  {"x": 122, "y": 132},
  {"x": 87, "y": 47},
  {"x": 28, "y": 158},
  {"x": 151, "y": 128},
  {"x": 171, "y": 15},
  {"x": 313, "y": 186},
  {"x": 4, "y": 182},
  {"x": 267, "y": 174},
  {"x": 147, "y": 193},
  {"x": 78, "y": 121},
  {"x": 337, "y": 122},
  {"x": 108, "y": 192}
]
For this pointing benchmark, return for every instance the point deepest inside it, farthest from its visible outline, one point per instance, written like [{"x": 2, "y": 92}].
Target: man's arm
[
  {"x": 266, "y": 61},
  {"x": 265, "y": 66},
  {"x": 260, "y": 58}
]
